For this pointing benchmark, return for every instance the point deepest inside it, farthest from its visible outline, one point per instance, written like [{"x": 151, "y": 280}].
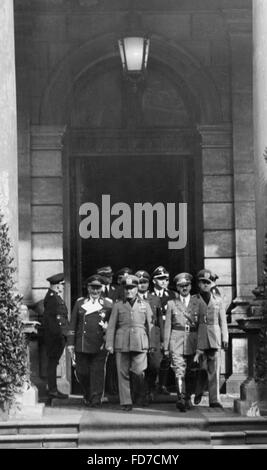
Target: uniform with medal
[{"x": 86, "y": 340}]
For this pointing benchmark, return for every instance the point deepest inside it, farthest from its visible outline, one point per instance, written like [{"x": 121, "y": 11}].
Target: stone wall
[
  {"x": 59, "y": 32},
  {"x": 46, "y": 206}
]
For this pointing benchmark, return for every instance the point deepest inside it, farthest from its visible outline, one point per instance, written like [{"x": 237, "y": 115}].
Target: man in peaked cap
[
  {"x": 119, "y": 289},
  {"x": 55, "y": 330},
  {"x": 212, "y": 333},
  {"x": 160, "y": 279},
  {"x": 128, "y": 334},
  {"x": 121, "y": 273},
  {"x": 155, "y": 355},
  {"x": 109, "y": 290},
  {"x": 180, "y": 338},
  {"x": 86, "y": 340}
]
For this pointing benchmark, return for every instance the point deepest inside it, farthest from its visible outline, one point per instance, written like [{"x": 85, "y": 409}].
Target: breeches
[{"x": 179, "y": 363}]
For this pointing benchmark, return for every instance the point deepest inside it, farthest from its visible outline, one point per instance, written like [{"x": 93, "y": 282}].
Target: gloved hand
[
  {"x": 72, "y": 354},
  {"x": 197, "y": 355}
]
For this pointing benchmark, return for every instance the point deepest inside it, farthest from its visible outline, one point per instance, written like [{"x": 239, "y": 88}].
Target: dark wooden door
[{"x": 132, "y": 179}]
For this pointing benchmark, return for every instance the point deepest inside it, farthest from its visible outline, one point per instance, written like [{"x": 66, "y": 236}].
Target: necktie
[{"x": 184, "y": 301}]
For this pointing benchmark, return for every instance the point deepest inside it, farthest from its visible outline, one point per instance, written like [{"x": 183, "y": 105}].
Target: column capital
[
  {"x": 47, "y": 137},
  {"x": 216, "y": 135},
  {"x": 239, "y": 21}
]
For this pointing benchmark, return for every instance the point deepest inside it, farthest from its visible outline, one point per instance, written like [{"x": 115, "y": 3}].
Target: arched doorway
[
  {"x": 108, "y": 126},
  {"x": 132, "y": 147}
]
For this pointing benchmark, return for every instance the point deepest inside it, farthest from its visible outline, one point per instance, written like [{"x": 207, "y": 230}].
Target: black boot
[
  {"x": 163, "y": 377},
  {"x": 141, "y": 396},
  {"x": 180, "y": 388},
  {"x": 188, "y": 402}
]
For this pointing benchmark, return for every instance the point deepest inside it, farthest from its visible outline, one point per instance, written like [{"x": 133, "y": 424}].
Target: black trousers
[
  {"x": 52, "y": 364},
  {"x": 90, "y": 371},
  {"x": 164, "y": 370}
]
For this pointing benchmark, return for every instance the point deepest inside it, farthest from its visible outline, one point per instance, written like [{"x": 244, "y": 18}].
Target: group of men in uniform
[{"x": 147, "y": 330}]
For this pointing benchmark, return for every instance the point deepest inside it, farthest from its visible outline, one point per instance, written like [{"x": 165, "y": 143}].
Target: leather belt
[{"x": 187, "y": 328}]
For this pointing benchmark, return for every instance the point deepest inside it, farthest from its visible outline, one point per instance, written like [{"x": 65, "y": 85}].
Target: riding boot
[
  {"x": 163, "y": 377},
  {"x": 180, "y": 388}
]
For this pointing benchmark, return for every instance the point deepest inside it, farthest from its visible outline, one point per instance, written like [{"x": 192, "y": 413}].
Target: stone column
[
  {"x": 218, "y": 220},
  {"x": 218, "y": 223},
  {"x": 8, "y": 125},
  {"x": 47, "y": 229},
  {"x": 239, "y": 27},
  {"x": 260, "y": 121}
]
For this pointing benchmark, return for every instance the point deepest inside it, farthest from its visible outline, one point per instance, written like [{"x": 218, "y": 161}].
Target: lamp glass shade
[{"x": 134, "y": 53}]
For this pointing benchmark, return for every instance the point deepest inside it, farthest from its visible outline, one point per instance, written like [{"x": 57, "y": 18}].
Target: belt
[{"x": 186, "y": 328}]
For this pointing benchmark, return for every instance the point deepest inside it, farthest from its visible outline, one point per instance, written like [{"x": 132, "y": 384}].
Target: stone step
[
  {"x": 31, "y": 441},
  {"x": 47, "y": 427},
  {"x": 239, "y": 438},
  {"x": 237, "y": 423},
  {"x": 247, "y": 447},
  {"x": 77, "y": 400}
]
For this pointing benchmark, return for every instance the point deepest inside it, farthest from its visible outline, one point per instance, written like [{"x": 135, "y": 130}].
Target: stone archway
[
  {"x": 56, "y": 98},
  {"x": 199, "y": 86}
]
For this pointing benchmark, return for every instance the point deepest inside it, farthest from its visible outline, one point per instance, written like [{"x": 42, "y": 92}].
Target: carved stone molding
[
  {"x": 216, "y": 136},
  {"x": 47, "y": 137},
  {"x": 143, "y": 141},
  {"x": 238, "y": 21}
]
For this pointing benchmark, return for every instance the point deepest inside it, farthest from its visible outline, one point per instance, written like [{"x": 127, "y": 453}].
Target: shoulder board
[{"x": 80, "y": 298}]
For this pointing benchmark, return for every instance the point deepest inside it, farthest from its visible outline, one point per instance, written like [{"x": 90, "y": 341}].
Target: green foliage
[{"x": 13, "y": 352}]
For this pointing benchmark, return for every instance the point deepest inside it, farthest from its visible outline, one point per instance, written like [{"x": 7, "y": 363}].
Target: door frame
[{"x": 83, "y": 143}]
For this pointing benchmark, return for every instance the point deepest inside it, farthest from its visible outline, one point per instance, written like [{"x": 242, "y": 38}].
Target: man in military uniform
[
  {"x": 155, "y": 356},
  {"x": 128, "y": 334},
  {"x": 55, "y": 322},
  {"x": 212, "y": 333},
  {"x": 180, "y": 337},
  {"x": 86, "y": 340},
  {"x": 160, "y": 277},
  {"x": 120, "y": 275},
  {"x": 108, "y": 289}
]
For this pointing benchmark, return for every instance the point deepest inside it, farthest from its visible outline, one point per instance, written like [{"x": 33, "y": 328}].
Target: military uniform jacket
[
  {"x": 166, "y": 297},
  {"x": 55, "y": 319},
  {"x": 155, "y": 305},
  {"x": 180, "y": 333},
  {"x": 85, "y": 332},
  {"x": 112, "y": 293},
  {"x": 212, "y": 328},
  {"x": 129, "y": 327}
]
